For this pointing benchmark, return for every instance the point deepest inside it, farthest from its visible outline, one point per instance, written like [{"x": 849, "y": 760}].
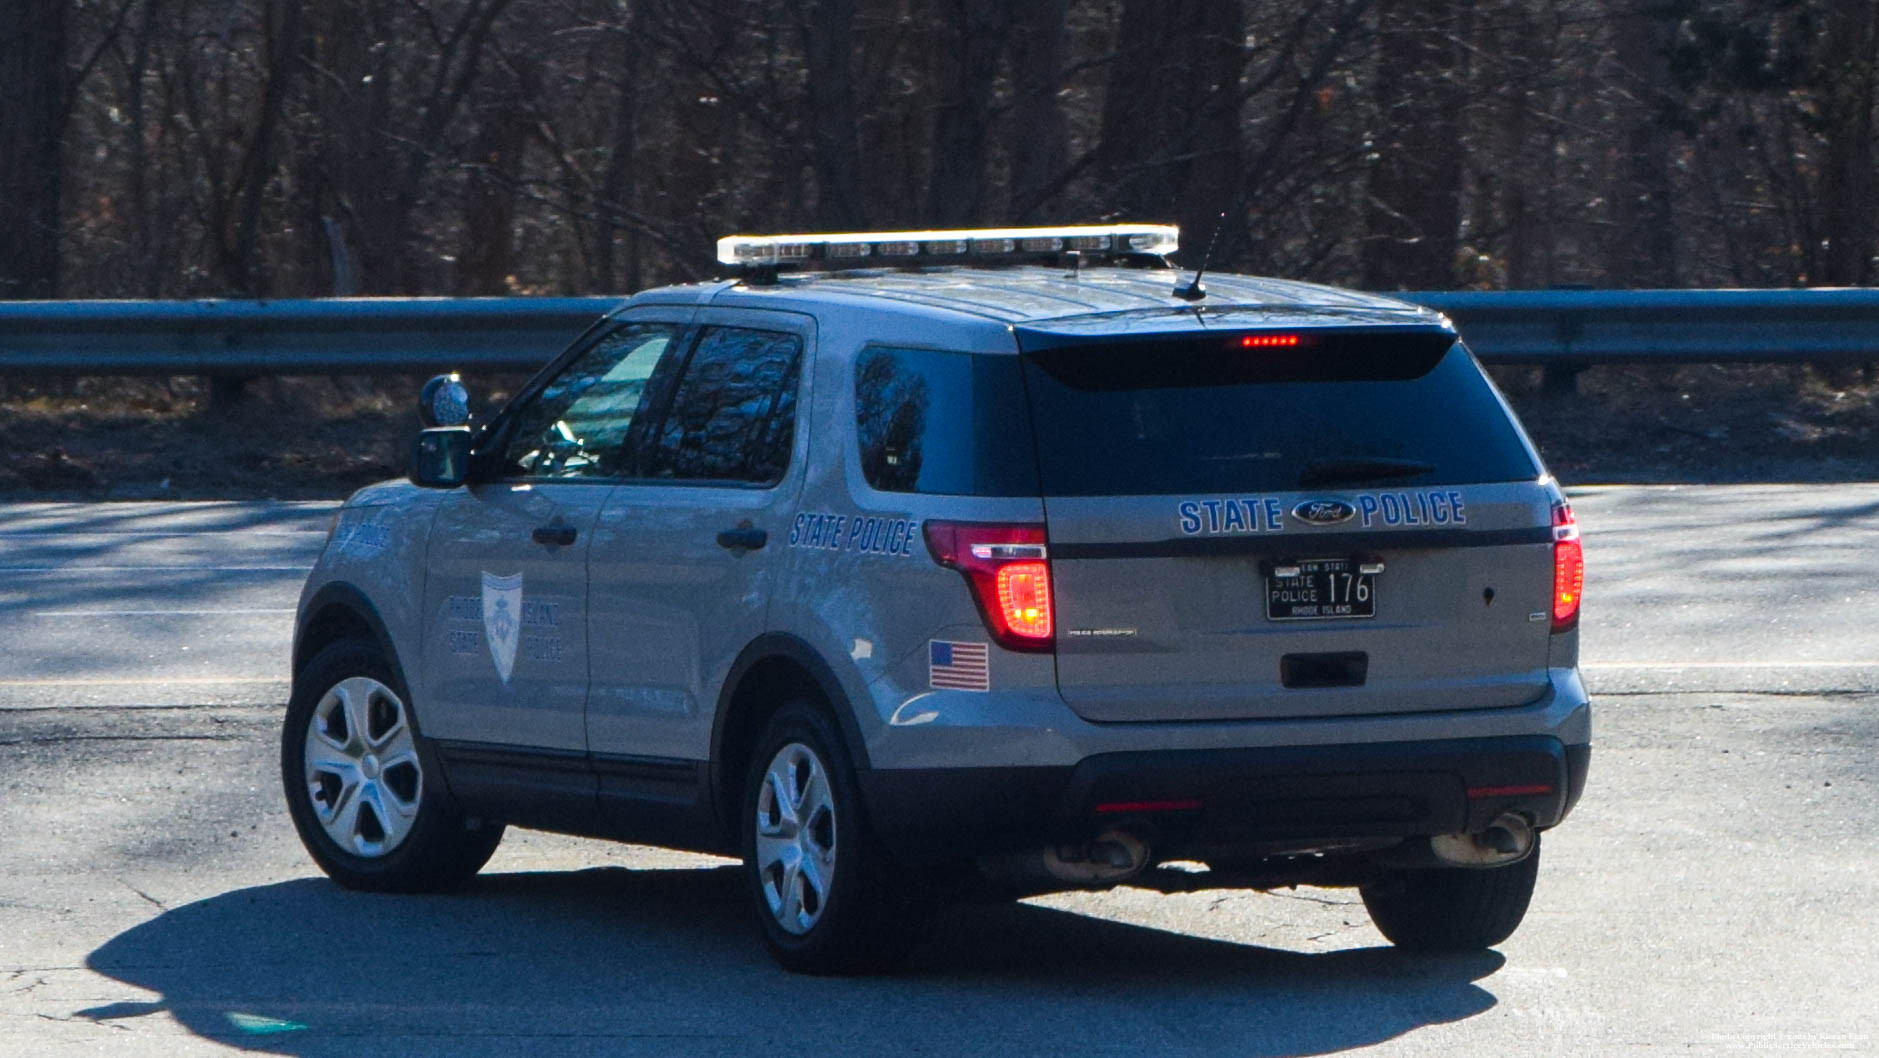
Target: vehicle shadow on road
[{"x": 664, "y": 961}]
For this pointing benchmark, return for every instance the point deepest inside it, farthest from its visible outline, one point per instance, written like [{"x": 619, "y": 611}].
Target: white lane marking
[
  {"x": 159, "y": 613},
  {"x": 155, "y": 569},
  {"x": 1616, "y": 665},
  {"x": 164, "y": 534},
  {"x": 147, "y": 681}
]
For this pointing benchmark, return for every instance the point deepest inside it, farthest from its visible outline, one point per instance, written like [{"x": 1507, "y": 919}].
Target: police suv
[{"x": 918, "y": 566}]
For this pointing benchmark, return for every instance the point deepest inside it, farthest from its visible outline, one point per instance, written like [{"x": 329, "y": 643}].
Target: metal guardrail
[
  {"x": 1563, "y": 330},
  {"x": 234, "y": 339},
  {"x": 1580, "y": 328}
]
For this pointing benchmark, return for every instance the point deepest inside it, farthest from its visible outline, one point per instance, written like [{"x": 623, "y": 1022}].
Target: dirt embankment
[{"x": 309, "y": 438}]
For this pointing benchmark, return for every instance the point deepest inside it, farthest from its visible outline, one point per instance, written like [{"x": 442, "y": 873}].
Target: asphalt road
[{"x": 1714, "y": 893}]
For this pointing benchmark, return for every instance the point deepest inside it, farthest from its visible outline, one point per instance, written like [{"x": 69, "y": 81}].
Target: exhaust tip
[{"x": 1508, "y": 839}]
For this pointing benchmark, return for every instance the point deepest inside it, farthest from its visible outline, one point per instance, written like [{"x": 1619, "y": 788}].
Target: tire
[
  {"x": 361, "y": 781},
  {"x": 1449, "y": 909},
  {"x": 825, "y": 899}
]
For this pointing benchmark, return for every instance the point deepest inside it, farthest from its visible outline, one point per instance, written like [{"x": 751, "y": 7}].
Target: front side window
[
  {"x": 580, "y": 425},
  {"x": 733, "y": 415}
]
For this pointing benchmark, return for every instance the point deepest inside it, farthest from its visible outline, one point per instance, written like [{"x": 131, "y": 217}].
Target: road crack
[
  {"x": 158, "y": 904},
  {"x": 1308, "y": 898},
  {"x": 53, "y": 740},
  {"x": 14, "y": 977}
]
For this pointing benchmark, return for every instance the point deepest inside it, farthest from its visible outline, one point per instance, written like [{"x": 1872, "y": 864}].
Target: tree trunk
[
  {"x": 956, "y": 193},
  {"x": 486, "y": 252},
  {"x": 833, "y": 126},
  {"x": 619, "y": 184},
  {"x": 1039, "y": 140},
  {"x": 1524, "y": 166},
  {"x": 244, "y": 270},
  {"x": 149, "y": 267},
  {"x": 353, "y": 164},
  {"x": 1645, "y": 254},
  {"x": 1414, "y": 212},
  {"x": 33, "y": 86},
  {"x": 1847, "y": 183},
  {"x": 1170, "y": 134},
  {"x": 1209, "y": 172}
]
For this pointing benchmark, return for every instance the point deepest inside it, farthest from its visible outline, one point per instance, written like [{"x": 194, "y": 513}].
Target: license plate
[{"x": 1319, "y": 589}]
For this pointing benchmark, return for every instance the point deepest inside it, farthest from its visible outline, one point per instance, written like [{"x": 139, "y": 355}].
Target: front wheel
[
  {"x": 826, "y": 900},
  {"x": 1453, "y": 908},
  {"x": 360, "y": 784}
]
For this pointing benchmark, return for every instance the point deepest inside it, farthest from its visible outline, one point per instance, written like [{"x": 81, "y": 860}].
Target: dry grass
[
  {"x": 1708, "y": 423},
  {"x": 303, "y": 438},
  {"x": 127, "y": 438}
]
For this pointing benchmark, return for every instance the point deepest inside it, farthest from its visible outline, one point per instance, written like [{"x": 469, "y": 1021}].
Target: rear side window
[
  {"x": 943, "y": 422},
  {"x": 1212, "y": 415},
  {"x": 733, "y": 415}
]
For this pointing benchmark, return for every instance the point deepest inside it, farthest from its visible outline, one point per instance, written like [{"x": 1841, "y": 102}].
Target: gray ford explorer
[{"x": 908, "y": 568}]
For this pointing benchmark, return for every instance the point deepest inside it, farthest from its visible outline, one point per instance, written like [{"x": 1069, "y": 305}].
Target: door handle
[
  {"x": 742, "y": 538},
  {"x": 553, "y": 535}
]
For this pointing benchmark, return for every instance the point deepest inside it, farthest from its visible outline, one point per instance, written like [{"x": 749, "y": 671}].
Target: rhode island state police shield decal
[{"x": 502, "y": 620}]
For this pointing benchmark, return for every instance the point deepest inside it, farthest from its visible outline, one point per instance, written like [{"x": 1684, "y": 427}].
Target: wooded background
[{"x": 188, "y": 148}]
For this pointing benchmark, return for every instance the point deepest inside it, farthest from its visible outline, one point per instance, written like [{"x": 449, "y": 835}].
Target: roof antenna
[{"x": 1192, "y": 290}]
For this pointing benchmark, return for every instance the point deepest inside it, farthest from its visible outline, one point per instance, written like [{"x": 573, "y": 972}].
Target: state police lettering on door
[{"x": 853, "y": 533}]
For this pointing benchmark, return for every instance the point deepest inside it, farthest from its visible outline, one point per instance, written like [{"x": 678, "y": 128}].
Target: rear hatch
[{"x": 1254, "y": 524}]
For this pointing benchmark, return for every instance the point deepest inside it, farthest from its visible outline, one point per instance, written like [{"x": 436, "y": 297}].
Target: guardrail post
[
  {"x": 1560, "y": 380},
  {"x": 226, "y": 391}
]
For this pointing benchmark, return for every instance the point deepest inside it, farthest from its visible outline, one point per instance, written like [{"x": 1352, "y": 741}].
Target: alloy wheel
[
  {"x": 362, "y": 770},
  {"x": 796, "y": 837}
]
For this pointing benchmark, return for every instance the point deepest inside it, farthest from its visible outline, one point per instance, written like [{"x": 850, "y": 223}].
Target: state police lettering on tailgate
[
  {"x": 1251, "y": 514},
  {"x": 1256, "y": 514},
  {"x": 1412, "y": 508}
]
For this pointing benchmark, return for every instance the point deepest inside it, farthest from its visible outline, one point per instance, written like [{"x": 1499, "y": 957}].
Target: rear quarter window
[{"x": 943, "y": 422}]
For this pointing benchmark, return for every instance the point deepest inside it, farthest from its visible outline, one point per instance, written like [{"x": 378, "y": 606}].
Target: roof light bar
[{"x": 1158, "y": 240}]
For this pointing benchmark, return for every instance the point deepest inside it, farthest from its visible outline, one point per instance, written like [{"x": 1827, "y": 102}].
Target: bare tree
[
  {"x": 974, "y": 34},
  {"x": 184, "y": 147},
  {"x": 33, "y": 76},
  {"x": 828, "y": 43},
  {"x": 1039, "y": 141},
  {"x": 1644, "y": 251},
  {"x": 1848, "y": 183},
  {"x": 1414, "y": 205}
]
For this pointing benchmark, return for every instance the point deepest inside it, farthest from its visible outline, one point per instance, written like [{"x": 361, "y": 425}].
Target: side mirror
[
  {"x": 444, "y": 401},
  {"x": 440, "y": 458}
]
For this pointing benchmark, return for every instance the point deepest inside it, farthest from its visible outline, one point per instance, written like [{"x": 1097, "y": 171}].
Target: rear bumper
[{"x": 1228, "y": 799}]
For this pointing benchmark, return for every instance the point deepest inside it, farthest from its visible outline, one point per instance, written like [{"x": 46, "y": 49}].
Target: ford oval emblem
[{"x": 1323, "y": 512}]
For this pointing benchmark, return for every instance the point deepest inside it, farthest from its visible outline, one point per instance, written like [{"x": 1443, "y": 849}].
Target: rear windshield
[{"x": 1225, "y": 413}]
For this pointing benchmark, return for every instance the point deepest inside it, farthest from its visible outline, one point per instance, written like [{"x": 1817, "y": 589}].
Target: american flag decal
[{"x": 958, "y": 666}]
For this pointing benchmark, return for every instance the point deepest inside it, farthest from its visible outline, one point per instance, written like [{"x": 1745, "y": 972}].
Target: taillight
[
  {"x": 1008, "y": 568},
  {"x": 1568, "y": 568}
]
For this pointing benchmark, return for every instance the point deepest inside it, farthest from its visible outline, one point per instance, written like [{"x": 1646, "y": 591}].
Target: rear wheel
[
  {"x": 1453, "y": 908},
  {"x": 359, "y": 780},
  {"x": 826, "y": 900}
]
